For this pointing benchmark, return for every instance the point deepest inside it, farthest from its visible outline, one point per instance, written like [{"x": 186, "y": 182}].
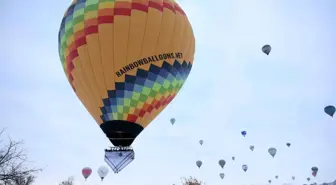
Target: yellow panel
[
  {"x": 166, "y": 32},
  {"x": 121, "y": 30},
  {"x": 152, "y": 32},
  {"x": 136, "y": 36},
  {"x": 96, "y": 63},
  {"x": 107, "y": 54}
]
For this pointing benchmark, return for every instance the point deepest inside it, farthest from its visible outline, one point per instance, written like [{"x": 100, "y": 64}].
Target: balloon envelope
[
  {"x": 251, "y": 147},
  {"x": 266, "y": 49},
  {"x": 233, "y": 158},
  {"x": 199, "y": 164},
  {"x": 172, "y": 121},
  {"x": 314, "y": 169},
  {"x": 222, "y": 175},
  {"x": 127, "y": 63},
  {"x": 102, "y": 172},
  {"x": 293, "y": 177},
  {"x": 221, "y": 163},
  {"x": 288, "y": 144},
  {"x": 330, "y": 110},
  {"x": 272, "y": 151},
  {"x": 243, "y": 133},
  {"x": 86, "y": 172},
  {"x": 269, "y": 181},
  {"x": 201, "y": 142},
  {"x": 276, "y": 177},
  {"x": 244, "y": 167}
]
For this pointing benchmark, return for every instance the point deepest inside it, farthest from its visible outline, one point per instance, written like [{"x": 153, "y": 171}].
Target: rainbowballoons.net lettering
[{"x": 125, "y": 60}]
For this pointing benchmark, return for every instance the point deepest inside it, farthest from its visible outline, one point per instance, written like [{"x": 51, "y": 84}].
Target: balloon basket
[{"x": 119, "y": 157}]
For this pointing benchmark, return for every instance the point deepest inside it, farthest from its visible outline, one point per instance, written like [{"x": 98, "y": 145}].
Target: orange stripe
[{"x": 106, "y": 11}]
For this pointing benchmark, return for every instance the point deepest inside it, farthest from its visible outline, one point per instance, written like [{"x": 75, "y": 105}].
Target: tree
[
  {"x": 69, "y": 181},
  {"x": 13, "y": 164},
  {"x": 192, "y": 181}
]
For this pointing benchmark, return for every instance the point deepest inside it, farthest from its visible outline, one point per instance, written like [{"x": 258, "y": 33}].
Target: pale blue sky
[{"x": 233, "y": 86}]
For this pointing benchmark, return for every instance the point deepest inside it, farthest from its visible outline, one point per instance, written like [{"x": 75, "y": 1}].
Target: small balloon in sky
[
  {"x": 221, "y": 175},
  {"x": 251, "y": 147},
  {"x": 330, "y": 110},
  {"x": 276, "y": 177},
  {"x": 233, "y": 158},
  {"x": 288, "y": 144},
  {"x": 86, "y": 172},
  {"x": 293, "y": 177},
  {"x": 102, "y": 172},
  {"x": 243, "y": 133},
  {"x": 269, "y": 181},
  {"x": 199, "y": 163},
  {"x": 201, "y": 142},
  {"x": 221, "y": 163},
  {"x": 266, "y": 49},
  {"x": 244, "y": 167},
  {"x": 172, "y": 121},
  {"x": 308, "y": 179},
  {"x": 272, "y": 151}
]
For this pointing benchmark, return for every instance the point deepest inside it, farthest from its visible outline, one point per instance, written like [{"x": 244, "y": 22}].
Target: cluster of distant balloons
[
  {"x": 329, "y": 110},
  {"x": 102, "y": 172}
]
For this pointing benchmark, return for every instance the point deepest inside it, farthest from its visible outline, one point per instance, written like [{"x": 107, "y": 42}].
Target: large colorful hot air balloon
[{"x": 126, "y": 61}]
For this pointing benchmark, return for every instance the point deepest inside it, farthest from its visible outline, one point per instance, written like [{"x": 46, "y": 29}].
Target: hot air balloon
[
  {"x": 199, "y": 164},
  {"x": 86, "y": 172},
  {"x": 308, "y": 179},
  {"x": 269, "y": 181},
  {"x": 172, "y": 121},
  {"x": 288, "y": 144},
  {"x": 244, "y": 167},
  {"x": 293, "y": 177},
  {"x": 314, "y": 171},
  {"x": 201, "y": 142},
  {"x": 276, "y": 177},
  {"x": 272, "y": 151},
  {"x": 266, "y": 49},
  {"x": 126, "y": 61},
  {"x": 251, "y": 147},
  {"x": 243, "y": 133},
  {"x": 102, "y": 172},
  {"x": 233, "y": 158},
  {"x": 221, "y": 175},
  {"x": 330, "y": 110},
  {"x": 221, "y": 163}
]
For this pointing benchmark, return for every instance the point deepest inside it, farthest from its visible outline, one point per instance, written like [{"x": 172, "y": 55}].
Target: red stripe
[
  {"x": 91, "y": 29},
  {"x": 107, "y": 19},
  {"x": 140, "y": 7},
  {"x": 122, "y": 11},
  {"x": 169, "y": 6},
  {"x": 155, "y": 5},
  {"x": 80, "y": 41}
]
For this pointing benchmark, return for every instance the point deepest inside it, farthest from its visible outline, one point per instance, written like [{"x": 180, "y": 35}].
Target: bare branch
[
  {"x": 13, "y": 164},
  {"x": 69, "y": 181}
]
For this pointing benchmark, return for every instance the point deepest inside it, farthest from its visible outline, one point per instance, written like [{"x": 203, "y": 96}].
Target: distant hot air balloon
[
  {"x": 199, "y": 164},
  {"x": 266, "y": 49},
  {"x": 221, "y": 163},
  {"x": 308, "y": 179},
  {"x": 86, "y": 172},
  {"x": 288, "y": 144},
  {"x": 172, "y": 121},
  {"x": 243, "y": 133},
  {"x": 233, "y": 158},
  {"x": 272, "y": 151},
  {"x": 201, "y": 142},
  {"x": 330, "y": 110},
  {"x": 126, "y": 61},
  {"x": 269, "y": 181},
  {"x": 221, "y": 175},
  {"x": 244, "y": 167},
  {"x": 251, "y": 147},
  {"x": 293, "y": 177},
  {"x": 276, "y": 177},
  {"x": 314, "y": 171},
  {"x": 102, "y": 172}
]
